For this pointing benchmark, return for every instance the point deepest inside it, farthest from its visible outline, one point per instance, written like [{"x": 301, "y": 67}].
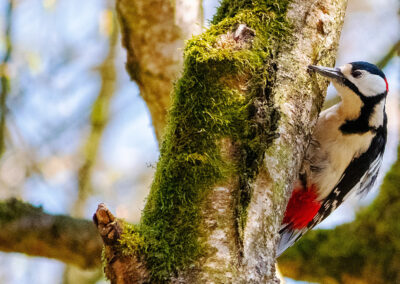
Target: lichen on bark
[{"x": 299, "y": 98}]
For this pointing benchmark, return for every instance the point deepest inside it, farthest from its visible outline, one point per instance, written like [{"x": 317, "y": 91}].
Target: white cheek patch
[{"x": 369, "y": 84}]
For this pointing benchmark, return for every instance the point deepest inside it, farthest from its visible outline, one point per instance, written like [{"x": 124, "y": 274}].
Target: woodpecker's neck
[
  {"x": 350, "y": 106},
  {"x": 362, "y": 114}
]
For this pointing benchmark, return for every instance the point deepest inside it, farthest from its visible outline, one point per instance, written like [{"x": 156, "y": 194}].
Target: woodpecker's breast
[{"x": 333, "y": 152}]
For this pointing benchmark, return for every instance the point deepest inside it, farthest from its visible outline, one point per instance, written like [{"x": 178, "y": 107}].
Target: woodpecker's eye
[{"x": 356, "y": 74}]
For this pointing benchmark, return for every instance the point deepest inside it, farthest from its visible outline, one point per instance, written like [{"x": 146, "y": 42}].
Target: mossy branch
[
  {"x": 363, "y": 251},
  {"x": 153, "y": 32},
  {"x": 123, "y": 249},
  {"x": 222, "y": 180},
  {"x": 27, "y": 229}
]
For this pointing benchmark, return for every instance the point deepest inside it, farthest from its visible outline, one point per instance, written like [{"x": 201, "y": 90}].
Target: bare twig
[
  {"x": 4, "y": 78},
  {"x": 394, "y": 51},
  {"x": 99, "y": 119}
]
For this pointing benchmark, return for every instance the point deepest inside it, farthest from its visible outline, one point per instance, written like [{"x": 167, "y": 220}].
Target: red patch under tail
[{"x": 302, "y": 207}]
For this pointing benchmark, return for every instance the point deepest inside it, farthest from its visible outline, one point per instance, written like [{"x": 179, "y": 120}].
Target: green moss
[
  {"x": 13, "y": 209},
  {"x": 131, "y": 241},
  {"x": 230, "y": 8},
  {"x": 208, "y": 106}
]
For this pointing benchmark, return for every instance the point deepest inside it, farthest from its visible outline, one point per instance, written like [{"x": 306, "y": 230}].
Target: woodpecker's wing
[{"x": 358, "y": 178}]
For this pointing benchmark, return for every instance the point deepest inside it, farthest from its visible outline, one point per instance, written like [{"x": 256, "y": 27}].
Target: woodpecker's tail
[
  {"x": 300, "y": 211},
  {"x": 289, "y": 236}
]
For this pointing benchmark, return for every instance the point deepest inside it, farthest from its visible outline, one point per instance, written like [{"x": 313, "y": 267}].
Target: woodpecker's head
[{"x": 357, "y": 78}]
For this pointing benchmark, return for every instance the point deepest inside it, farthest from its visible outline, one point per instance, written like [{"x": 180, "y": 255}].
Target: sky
[{"x": 58, "y": 45}]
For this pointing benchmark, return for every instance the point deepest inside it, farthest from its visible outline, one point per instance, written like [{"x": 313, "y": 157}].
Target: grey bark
[{"x": 315, "y": 39}]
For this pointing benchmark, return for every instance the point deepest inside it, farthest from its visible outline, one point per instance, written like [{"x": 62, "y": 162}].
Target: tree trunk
[{"x": 241, "y": 118}]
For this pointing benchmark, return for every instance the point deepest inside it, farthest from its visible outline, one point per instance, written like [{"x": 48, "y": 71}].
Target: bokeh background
[{"x": 59, "y": 58}]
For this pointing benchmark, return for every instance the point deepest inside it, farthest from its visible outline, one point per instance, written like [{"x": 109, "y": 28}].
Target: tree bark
[
  {"x": 315, "y": 36},
  {"x": 241, "y": 118}
]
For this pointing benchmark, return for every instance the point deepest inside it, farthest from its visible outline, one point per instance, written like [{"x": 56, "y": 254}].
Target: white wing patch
[
  {"x": 369, "y": 178},
  {"x": 362, "y": 188}
]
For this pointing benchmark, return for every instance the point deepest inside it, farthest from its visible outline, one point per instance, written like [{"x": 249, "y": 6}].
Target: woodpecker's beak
[{"x": 330, "y": 73}]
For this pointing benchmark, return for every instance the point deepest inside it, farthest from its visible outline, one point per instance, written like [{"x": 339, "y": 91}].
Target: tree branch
[
  {"x": 153, "y": 32},
  {"x": 316, "y": 31},
  {"x": 27, "y": 229},
  {"x": 394, "y": 51},
  {"x": 119, "y": 267}
]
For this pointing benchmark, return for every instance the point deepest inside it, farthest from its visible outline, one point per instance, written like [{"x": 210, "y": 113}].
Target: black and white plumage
[{"x": 345, "y": 154}]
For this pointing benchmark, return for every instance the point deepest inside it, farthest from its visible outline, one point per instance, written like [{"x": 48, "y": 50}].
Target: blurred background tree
[{"x": 75, "y": 132}]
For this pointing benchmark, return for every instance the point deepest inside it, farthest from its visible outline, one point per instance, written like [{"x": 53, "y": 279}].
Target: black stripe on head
[
  {"x": 374, "y": 100},
  {"x": 361, "y": 123},
  {"x": 371, "y": 68}
]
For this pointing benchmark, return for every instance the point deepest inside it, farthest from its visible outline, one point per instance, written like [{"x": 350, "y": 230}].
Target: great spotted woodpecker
[{"x": 345, "y": 152}]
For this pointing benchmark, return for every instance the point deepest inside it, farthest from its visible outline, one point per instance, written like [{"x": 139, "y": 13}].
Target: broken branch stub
[{"x": 118, "y": 268}]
